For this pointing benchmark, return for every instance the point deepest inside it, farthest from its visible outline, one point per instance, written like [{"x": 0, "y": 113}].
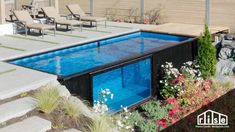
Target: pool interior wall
[{"x": 119, "y": 64}]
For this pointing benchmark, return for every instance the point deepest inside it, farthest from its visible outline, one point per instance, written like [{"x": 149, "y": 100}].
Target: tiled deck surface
[
  {"x": 13, "y": 78},
  {"x": 186, "y": 29}
]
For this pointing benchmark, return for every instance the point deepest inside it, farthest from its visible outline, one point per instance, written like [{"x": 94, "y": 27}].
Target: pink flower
[
  {"x": 162, "y": 123},
  {"x": 178, "y": 79},
  {"x": 171, "y": 100},
  {"x": 171, "y": 113}
]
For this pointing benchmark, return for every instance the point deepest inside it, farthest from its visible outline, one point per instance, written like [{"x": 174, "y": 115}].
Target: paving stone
[
  {"x": 16, "y": 108},
  {"x": 31, "y": 124},
  {"x": 21, "y": 80}
]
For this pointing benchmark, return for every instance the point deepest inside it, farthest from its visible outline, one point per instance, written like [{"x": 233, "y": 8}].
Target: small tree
[{"x": 206, "y": 58}]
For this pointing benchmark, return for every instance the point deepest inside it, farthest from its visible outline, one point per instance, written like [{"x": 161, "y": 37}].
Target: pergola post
[
  {"x": 56, "y": 4},
  {"x": 15, "y": 4},
  {"x": 2, "y": 11},
  {"x": 92, "y": 7},
  {"x": 207, "y": 12},
  {"x": 142, "y": 11},
  {"x": 50, "y": 2}
]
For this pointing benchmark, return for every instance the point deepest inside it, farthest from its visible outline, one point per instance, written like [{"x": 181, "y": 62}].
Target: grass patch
[
  {"x": 7, "y": 71},
  {"x": 119, "y": 27},
  {"x": 71, "y": 109},
  {"x": 12, "y": 48},
  {"x": 100, "y": 124},
  {"x": 27, "y": 38},
  {"x": 97, "y": 31},
  {"x": 47, "y": 99},
  {"x": 70, "y": 35}
]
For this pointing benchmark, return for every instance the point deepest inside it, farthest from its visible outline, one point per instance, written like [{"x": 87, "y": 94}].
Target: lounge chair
[
  {"x": 52, "y": 14},
  {"x": 27, "y": 21},
  {"x": 78, "y": 13}
]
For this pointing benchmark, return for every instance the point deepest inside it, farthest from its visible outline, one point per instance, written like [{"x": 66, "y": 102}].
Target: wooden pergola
[{"x": 2, "y": 8}]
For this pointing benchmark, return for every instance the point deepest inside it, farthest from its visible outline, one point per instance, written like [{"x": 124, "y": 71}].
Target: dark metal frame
[{"x": 178, "y": 53}]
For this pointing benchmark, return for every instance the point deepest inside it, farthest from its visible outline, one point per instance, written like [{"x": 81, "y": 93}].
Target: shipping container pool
[{"x": 126, "y": 64}]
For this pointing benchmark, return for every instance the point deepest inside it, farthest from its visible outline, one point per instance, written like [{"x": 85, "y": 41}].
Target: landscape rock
[
  {"x": 225, "y": 67},
  {"x": 228, "y": 44},
  {"x": 226, "y": 53}
]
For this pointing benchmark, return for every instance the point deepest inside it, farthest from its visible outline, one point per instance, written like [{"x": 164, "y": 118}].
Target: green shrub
[
  {"x": 134, "y": 118},
  {"x": 147, "y": 126},
  {"x": 154, "y": 110},
  {"x": 206, "y": 58},
  {"x": 47, "y": 99}
]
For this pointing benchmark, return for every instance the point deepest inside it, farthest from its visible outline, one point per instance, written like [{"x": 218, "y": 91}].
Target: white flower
[
  {"x": 189, "y": 63},
  {"x": 125, "y": 109},
  {"x": 161, "y": 81},
  {"x": 126, "y": 117},
  {"x": 111, "y": 96},
  {"x": 128, "y": 127},
  {"x": 119, "y": 123}
]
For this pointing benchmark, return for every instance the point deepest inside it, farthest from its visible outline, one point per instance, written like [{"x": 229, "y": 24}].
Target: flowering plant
[
  {"x": 175, "y": 82},
  {"x": 127, "y": 120},
  {"x": 162, "y": 124},
  {"x": 191, "y": 70},
  {"x": 100, "y": 106},
  {"x": 171, "y": 83},
  {"x": 174, "y": 111}
]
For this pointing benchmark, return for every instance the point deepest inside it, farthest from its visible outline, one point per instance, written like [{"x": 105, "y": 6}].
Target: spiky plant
[
  {"x": 99, "y": 124},
  {"x": 47, "y": 99},
  {"x": 71, "y": 109}
]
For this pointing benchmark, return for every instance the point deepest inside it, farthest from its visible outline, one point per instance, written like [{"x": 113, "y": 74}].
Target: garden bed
[{"x": 185, "y": 92}]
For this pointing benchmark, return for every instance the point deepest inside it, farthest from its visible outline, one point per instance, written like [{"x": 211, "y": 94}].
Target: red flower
[
  {"x": 162, "y": 123},
  {"x": 171, "y": 113},
  {"x": 178, "y": 79},
  {"x": 171, "y": 100}
]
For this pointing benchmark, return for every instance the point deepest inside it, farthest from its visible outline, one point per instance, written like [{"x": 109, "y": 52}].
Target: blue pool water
[
  {"x": 130, "y": 84},
  {"x": 78, "y": 59}
]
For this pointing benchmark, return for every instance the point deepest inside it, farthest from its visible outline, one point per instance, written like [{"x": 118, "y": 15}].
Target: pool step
[
  {"x": 31, "y": 124},
  {"x": 16, "y": 108}
]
